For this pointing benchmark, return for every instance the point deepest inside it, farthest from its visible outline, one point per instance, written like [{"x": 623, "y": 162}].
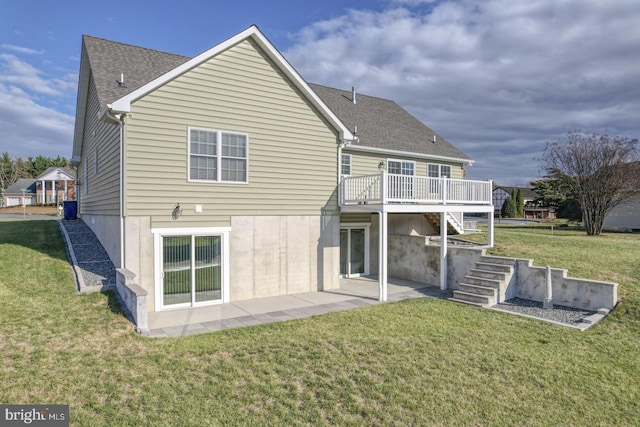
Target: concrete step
[
  {"x": 497, "y": 275},
  {"x": 487, "y": 266},
  {"x": 474, "y": 298},
  {"x": 498, "y": 260},
  {"x": 477, "y": 289},
  {"x": 482, "y": 281},
  {"x": 464, "y": 301}
]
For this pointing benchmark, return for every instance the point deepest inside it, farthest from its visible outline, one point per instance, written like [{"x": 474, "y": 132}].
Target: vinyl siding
[
  {"x": 367, "y": 164},
  {"x": 291, "y": 148},
  {"x": 103, "y": 193},
  {"x": 625, "y": 216},
  {"x": 356, "y": 217}
]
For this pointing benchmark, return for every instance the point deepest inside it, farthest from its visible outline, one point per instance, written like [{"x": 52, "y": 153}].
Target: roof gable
[
  {"x": 123, "y": 104},
  {"x": 57, "y": 174}
]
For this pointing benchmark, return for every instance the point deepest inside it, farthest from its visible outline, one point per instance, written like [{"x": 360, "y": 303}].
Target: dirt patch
[{"x": 31, "y": 210}]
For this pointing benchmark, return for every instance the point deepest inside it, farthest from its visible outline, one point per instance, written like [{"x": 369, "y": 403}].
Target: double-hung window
[
  {"x": 345, "y": 164},
  {"x": 439, "y": 171},
  {"x": 217, "y": 156}
]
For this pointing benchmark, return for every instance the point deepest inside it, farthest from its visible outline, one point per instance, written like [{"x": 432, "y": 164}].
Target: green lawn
[{"x": 417, "y": 362}]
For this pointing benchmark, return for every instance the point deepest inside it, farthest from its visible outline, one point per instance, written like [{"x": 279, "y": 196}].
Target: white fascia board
[
  {"x": 123, "y": 105},
  {"x": 408, "y": 154},
  {"x": 81, "y": 103},
  {"x": 393, "y": 208}
]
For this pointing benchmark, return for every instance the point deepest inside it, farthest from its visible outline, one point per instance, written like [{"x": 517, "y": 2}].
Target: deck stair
[
  {"x": 453, "y": 225},
  {"x": 486, "y": 283}
]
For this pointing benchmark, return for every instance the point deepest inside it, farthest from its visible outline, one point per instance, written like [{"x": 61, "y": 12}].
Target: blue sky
[{"x": 497, "y": 78}]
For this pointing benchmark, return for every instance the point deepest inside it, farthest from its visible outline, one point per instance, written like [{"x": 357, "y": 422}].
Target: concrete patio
[{"x": 353, "y": 293}]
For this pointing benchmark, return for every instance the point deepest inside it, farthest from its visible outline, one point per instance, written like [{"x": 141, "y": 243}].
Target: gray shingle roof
[
  {"x": 381, "y": 123},
  {"x": 384, "y": 124},
  {"x": 139, "y": 65},
  {"x": 16, "y": 188}
]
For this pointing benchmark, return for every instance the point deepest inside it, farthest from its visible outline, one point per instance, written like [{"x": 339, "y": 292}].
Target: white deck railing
[{"x": 389, "y": 188}]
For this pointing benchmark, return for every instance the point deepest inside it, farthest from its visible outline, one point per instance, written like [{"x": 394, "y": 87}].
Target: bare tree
[{"x": 597, "y": 170}]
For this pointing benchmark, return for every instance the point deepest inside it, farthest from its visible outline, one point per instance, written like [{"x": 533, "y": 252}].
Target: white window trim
[
  {"x": 159, "y": 233},
  {"x": 342, "y": 164},
  {"x": 218, "y": 156},
  {"x": 367, "y": 236},
  {"x": 402, "y": 161}
]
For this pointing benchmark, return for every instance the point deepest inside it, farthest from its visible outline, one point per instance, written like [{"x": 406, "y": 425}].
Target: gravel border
[{"x": 563, "y": 315}]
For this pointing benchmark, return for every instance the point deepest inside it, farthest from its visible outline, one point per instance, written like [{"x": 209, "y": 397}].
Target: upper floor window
[
  {"x": 439, "y": 171},
  {"x": 345, "y": 164},
  {"x": 401, "y": 167},
  {"x": 217, "y": 156}
]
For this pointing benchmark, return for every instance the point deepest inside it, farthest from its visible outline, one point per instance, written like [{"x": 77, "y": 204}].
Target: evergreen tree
[
  {"x": 520, "y": 202},
  {"x": 40, "y": 163},
  {"x": 509, "y": 209}
]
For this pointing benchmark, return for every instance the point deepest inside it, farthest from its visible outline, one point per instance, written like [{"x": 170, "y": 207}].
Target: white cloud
[
  {"x": 21, "y": 49},
  {"x": 497, "y": 78},
  {"x": 24, "y": 75},
  {"x": 29, "y": 129}
]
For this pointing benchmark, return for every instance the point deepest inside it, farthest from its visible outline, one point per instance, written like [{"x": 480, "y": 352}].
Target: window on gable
[
  {"x": 345, "y": 164},
  {"x": 217, "y": 156},
  {"x": 439, "y": 171}
]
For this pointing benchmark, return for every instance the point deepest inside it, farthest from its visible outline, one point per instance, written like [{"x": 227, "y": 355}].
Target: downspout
[
  {"x": 120, "y": 121},
  {"x": 340, "y": 147}
]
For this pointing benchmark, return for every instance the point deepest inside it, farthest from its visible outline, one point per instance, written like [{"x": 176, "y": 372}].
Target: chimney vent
[{"x": 353, "y": 94}]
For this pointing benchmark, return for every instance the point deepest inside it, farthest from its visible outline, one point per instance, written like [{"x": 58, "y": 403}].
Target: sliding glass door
[
  {"x": 191, "y": 270},
  {"x": 354, "y": 251}
]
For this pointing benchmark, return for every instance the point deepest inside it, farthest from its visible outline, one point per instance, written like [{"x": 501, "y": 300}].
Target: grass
[{"x": 417, "y": 362}]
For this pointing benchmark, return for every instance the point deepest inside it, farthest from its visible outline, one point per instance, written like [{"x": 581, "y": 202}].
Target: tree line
[{"x": 11, "y": 170}]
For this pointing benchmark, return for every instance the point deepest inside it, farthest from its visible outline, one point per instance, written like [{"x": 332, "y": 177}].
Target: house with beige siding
[{"x": 228, "y": 177}]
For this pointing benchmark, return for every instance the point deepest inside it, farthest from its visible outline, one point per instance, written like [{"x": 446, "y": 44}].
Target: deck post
[
  {"x": 490, "y": 228},
  {"x": 443, "y": 251},
  {"x": 382, "y": 255}
]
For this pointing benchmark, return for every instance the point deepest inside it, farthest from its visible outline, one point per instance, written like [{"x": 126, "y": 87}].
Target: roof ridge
[
  {"x": 134, "y": 46},
  {"x": 357, "y": 93}
]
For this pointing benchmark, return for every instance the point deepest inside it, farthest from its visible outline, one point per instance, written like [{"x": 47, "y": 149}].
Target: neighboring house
[
  {"x": 55, "y": 185},
  {"x": 626, "y": 215},
  {"x": 15, "y": 196},
  {"x": 228, "y": 177},
  {"x": 531, "y": 210}
]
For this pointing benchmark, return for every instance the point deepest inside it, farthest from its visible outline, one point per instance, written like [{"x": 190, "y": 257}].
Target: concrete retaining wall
[
  {"x": 416, "y": 258},
  {"x": 568, "y": 291},
  {"x": 132, "y": 298}
]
